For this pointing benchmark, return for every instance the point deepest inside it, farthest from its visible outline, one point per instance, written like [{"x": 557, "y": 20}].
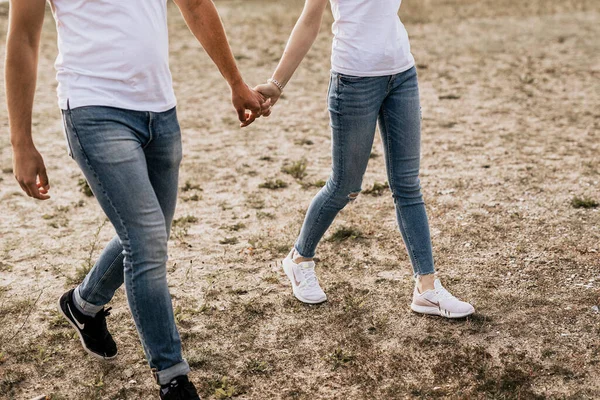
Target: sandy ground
[{"x": 511, "y": 137}]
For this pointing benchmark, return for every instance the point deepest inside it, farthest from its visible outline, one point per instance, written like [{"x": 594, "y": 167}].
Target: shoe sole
[
  {"x": 95, "y": 355},
  {"x": 297, "y": 295},
  {"x": 439, "y": 311}
]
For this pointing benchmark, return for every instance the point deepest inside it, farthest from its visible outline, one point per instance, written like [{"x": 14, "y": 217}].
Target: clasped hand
[{"x": 257, "y": 101}]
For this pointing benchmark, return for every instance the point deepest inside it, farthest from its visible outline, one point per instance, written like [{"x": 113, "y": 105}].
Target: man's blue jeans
[
  {"x": 131, "y": 162},
  {"x": 356, "y": 105}
]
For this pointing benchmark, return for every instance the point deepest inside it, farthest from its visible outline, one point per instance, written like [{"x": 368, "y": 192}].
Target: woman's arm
[{"x": 301, "y": 40}]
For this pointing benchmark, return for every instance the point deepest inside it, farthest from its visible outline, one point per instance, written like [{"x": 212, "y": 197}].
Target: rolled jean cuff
[
  {"x": 166, "y": 375},
  {"x": 83, "y": 306}
]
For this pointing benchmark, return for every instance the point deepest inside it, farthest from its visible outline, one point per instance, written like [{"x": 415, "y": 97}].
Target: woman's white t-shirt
[
  {"x": 113, "y": 53},
  {"x": 369, "y": 38}
]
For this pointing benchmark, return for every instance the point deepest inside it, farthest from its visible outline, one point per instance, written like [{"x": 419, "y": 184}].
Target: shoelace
[
  {"x": 100, "y": 318},
  {"x": 310, "y": 277},
  {"x": 444, "y": 294}
]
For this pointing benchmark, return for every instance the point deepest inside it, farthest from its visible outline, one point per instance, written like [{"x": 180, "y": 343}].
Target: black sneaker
[
  {"x": 95, "y": 337},
  {"x": 180, "y": 388}
]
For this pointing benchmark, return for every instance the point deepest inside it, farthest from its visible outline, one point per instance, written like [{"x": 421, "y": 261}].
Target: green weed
[
  {"x": 84, "y": 187},
  {"x": 317, "y": 184},
  {"x": 190, "y": 186},
  {"x": 584, "y": 202},
  {"x": 256, "y": 367},
  {"x": 378, "y": 189},
  {"x": 344, "y": 233},
  {"x": 297, "y": 169},
  {"x": 273, "y": 184},
  {"x": 188, "y": 219},
  {"x": 339, "y": 358},
  {"x": 229, "y": 240},
  {"x": 265, "y": 215}
]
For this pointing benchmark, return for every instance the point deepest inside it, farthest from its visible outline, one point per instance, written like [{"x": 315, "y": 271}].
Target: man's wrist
[
  {"x": 22, "y": 143},
  {"x": 237, "y": 84}
]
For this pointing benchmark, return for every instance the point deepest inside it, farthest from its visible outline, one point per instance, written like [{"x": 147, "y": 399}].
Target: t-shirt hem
[
  {"x": 157, "y": 108},
  {"x": 366, "y": 74}
]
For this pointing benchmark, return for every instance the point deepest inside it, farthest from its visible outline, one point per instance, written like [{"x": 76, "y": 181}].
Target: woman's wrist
[{"x": 276, "y": 83}]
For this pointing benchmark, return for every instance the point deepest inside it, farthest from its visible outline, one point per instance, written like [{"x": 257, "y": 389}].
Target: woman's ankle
[
  {"x": 297, "y": 258},
  {"x": 425, "y": 282}
]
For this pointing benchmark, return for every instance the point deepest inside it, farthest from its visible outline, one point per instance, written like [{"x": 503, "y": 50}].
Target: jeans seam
[
  {"x": 316, "y": 223},
  {"x": 408, "y": 239},
  {"x": 335, "y": 184},
  {"x": 102, "y": 279},
  {"x": 389, "y": 152},
  {"x": 114, "y": 209},
  {"x": 67, "y": 137},
  {"x": 150, "y": 123},
  {"x": 391, "y": 178},
  {"x": 318, "y": 219}
]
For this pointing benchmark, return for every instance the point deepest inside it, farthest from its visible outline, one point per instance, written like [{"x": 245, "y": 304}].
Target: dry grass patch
[
  {"x": 584, "y": 202},
  {"x": 510, "y": 139}
]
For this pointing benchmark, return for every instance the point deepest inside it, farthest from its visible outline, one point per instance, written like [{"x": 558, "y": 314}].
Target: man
[{"x": 118, "y": 107}]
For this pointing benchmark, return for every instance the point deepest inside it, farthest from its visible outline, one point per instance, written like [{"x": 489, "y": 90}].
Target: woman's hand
[{"x": 269, "y": 91}]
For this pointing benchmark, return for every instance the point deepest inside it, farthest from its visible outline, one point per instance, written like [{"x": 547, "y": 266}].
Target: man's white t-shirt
[
  {"x": 369, "y": 38},
  {"x": 113, "y": 53}
]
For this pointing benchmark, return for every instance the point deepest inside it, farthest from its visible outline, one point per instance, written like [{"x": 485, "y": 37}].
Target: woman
[{"x": 373, "y": 80}]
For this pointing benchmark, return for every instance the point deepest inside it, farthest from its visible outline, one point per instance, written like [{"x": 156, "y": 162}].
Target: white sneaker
[
  {"x": 304, "y": 281},
  {"x": 439, "y": 301}
]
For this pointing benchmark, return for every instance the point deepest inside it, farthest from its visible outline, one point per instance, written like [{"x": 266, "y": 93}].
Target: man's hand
[
  {"x": 269, "y": 91},
  {"x": 26, "y": 18},
  {"x": 245, "y": 99},
  {"x": 30, "y": 172},
  {"x": 203, "y": 20}
]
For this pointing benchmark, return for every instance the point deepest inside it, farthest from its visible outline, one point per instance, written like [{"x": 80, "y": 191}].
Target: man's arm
[
  {"x": 203, "y": 20},
  {"x": 22, "y": 46}
]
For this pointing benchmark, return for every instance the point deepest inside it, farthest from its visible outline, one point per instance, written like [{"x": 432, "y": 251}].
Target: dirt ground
[{"x": 510, "y": 173}]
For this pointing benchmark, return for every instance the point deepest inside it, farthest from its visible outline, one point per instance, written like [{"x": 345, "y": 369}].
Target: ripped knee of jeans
[{"x": 352, "y": 196}]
